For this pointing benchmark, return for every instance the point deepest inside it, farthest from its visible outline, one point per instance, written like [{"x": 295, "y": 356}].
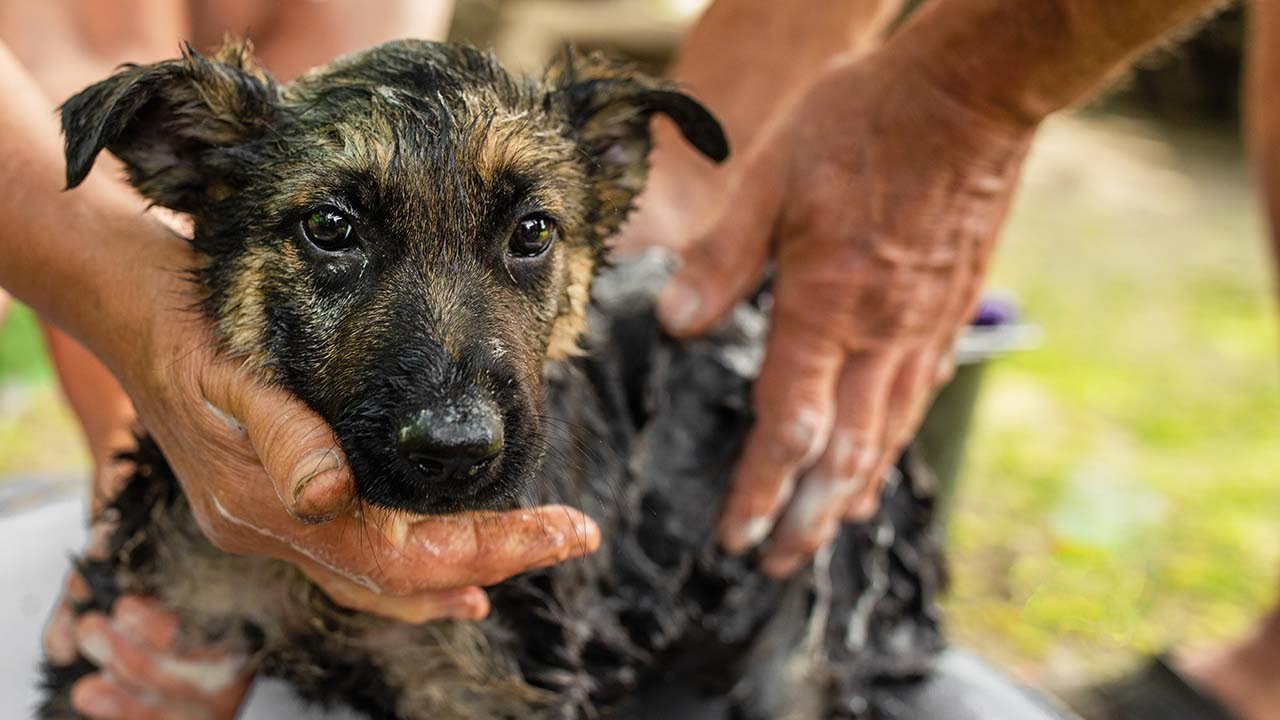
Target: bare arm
[
  {"x": 1024, "y": 59},
  {"x": 93, "y": 262},
  {"x": 49, "y": 244},
  {"x": 879, "y": 193},
  {"x": 742, "y": 59}
]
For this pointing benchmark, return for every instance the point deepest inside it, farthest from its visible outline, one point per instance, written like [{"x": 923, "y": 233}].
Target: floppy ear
[
  {"x": 609, "y": 108},
  {"x": 172, "y": 124}
]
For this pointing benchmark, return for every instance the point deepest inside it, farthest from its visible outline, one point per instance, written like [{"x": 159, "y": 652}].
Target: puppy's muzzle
[{"x": 452, "y": 442}]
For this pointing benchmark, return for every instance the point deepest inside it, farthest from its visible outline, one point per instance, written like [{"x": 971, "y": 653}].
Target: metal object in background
[{"x": 944, "y": 434}]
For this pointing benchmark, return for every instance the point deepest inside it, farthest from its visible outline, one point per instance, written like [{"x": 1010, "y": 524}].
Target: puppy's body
[{"x": 639, "y": 431}]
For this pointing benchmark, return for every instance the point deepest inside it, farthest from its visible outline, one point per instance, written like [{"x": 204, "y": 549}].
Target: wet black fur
[{"x": 641, "y": 432}]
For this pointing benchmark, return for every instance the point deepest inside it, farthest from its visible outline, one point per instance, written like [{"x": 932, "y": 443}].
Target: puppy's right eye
[{"x": 328, "y": 229}]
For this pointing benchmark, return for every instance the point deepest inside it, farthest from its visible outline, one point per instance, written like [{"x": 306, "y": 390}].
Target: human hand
[
  {"x": 879, "y": 197},
  {"x": 265, "y": 476},
  {"x": 144, "y": 670}
]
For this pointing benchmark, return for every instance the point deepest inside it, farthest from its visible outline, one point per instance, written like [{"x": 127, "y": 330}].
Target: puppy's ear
[
  {"x": 609, "y": 107},
  {"x": 173, "y": 124}
]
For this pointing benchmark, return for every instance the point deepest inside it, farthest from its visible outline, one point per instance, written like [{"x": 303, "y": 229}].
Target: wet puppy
[{"x": 407, "y": 240}]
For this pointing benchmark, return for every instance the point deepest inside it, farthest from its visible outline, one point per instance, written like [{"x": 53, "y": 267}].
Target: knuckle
[
  {"x": 796, "y": 438},
  {"x": 851, "y": 456}
]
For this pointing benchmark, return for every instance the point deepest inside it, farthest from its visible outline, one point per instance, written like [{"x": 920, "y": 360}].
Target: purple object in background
[{"x": 995, "y": 310}]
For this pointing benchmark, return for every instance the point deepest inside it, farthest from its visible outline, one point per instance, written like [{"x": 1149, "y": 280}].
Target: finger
[
  {"x": 295, "y": 445},
  {"x": 98, "y": 698},
  {"x": 726, "y": 262},
  {"x": 793, "y": 400},
  {"x": 407, "y": 558},
  {"x": 59, "y": 636},
  {"x": 138, "y": 666},
  {"x": 813, "y": 516},
  {"x": 456, "y": 551},
  {"x": 470, "y": 603},
  {"x": 147, "y": 621},
  {"x": 908, "y": 400}
]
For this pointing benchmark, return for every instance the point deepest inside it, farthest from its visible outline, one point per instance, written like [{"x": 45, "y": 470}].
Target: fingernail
[
  {"x": 678, "y": 305},
  {"x": 96, "y": 647},
  {"x": 97, "y": 703},
  {"x": 586, "y": 536},
  {"x": 311, "y": 467},
  {"x": 468, "y": 606},
  {"x": 865, "y": 508},
  {"x": 756, "y": 530},
  {"x": 782, "y": 566},
  {"x": 130, "y": 620},
  {"x": 739, "y": 537}
]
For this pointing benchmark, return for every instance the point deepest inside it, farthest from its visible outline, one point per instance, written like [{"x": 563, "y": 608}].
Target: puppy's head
[{"x": 402, "y": 238}]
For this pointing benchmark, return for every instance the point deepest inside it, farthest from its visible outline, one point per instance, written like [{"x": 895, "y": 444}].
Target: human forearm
[
  {"x": 1020, "y": 60},
  {"x": 741, "y": 59},
  {"x": 742, "y": 56},
  {"x": 72, "y": 259}
]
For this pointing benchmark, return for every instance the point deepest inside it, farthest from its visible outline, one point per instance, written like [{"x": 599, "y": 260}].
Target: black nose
[{"x": 452, "y": 442}]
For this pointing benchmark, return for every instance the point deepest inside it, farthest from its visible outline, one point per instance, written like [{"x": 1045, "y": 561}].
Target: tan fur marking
[
  {"x": 244, "y": 315},
  {"x": 218, "y": 192},
  {"x": 572, "y": 321}
]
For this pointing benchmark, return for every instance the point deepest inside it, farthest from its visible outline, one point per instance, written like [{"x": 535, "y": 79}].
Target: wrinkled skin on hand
[
  {"x": 265, "y": 476},
  {"x": 879, "y": 198}
]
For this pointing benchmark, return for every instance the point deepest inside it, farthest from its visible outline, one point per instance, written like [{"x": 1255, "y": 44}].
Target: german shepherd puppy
[{"x": 407, "y": 240}]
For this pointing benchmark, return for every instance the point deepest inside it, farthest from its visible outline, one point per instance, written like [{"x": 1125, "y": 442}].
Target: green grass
[
  {"x": 38, "y": 435},
  {"x": 22, "y": 357},
  {"x": 1122, "y": 494}
]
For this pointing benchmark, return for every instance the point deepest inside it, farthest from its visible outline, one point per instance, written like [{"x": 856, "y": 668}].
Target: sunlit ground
[{"x": 1122, "y": 493}]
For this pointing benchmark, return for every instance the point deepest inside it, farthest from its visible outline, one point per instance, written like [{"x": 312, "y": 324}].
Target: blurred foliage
[
  {"x": 1122, "y": 494},
  {"x": 21, "y": 348},
  {"x": 38, "y": 434}
]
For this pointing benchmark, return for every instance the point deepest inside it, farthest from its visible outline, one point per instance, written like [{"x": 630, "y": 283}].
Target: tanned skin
[
  {"x": 879, "y": 192},
  {"x": 1021, "y": 70},
  {"x": 730, "y": 60},
  {"x": 232, "y": 439}
]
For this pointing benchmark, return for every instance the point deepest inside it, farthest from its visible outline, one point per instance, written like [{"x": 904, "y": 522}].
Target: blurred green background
[{"x": 1121, "y": 492}]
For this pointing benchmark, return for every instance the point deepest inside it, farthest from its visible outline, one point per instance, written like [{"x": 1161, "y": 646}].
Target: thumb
[
  {"x": 296, "y": 446},
  {"x": 726, "y": 262}
]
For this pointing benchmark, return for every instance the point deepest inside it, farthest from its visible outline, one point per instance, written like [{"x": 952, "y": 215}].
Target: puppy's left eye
[
  {"x": 328, "y": 229},
  {"x": 532, "y": 236}
]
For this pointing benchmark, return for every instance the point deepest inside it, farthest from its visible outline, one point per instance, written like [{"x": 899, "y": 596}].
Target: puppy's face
[{"x": 403, "y": 238}]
